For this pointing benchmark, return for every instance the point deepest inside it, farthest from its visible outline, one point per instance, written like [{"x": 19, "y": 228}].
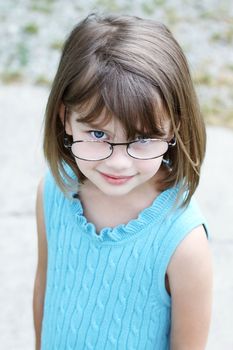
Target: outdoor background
[{"x": 31, "y": 36}]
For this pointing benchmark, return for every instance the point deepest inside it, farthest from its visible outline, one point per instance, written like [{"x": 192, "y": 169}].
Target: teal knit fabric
[{"x": 106, "y": 291}]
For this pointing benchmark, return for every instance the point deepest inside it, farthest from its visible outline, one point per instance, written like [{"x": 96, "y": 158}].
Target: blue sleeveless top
[{"x": 107, "y": 291}]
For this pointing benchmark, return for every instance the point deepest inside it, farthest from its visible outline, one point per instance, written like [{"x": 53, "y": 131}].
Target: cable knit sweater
[{"x": 107, "y": 291}]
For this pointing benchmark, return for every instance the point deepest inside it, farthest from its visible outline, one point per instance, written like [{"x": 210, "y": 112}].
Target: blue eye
[
  {"x": 142, "y": 140},
  {"x": 97, "y": 134}
]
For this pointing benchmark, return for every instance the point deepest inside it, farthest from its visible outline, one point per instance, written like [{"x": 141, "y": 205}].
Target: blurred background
[{"x": 32, "y": 33}]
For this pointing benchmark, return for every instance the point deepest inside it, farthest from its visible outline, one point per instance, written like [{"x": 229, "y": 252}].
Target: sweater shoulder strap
[{"x": 52, "y": 195}]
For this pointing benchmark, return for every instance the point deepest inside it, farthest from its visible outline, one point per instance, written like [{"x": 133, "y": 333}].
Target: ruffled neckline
[{"x": 149, "y": 216}]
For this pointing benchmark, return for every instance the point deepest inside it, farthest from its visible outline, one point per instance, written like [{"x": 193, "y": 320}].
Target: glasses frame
[{"x": 68, "y": 145}]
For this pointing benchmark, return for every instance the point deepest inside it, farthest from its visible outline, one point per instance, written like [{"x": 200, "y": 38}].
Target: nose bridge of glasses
[
  {"x": 116, "y": 152},
  {"x": 113, "y": 144}
]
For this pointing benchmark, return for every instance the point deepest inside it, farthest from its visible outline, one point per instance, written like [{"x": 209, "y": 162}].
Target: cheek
[
  {"x": 85, "y": 166},
  {"x": 150, "y": 166},
  {"x": 82, "y": 165}
]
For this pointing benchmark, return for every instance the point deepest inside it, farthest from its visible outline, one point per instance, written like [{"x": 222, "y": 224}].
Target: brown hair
[{"x": 135, "y": 70}]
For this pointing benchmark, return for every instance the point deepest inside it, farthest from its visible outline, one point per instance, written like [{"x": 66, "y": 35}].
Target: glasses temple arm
[{"x": 66, "y": 141}]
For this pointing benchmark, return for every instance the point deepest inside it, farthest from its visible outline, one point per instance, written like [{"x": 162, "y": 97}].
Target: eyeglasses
[
  {"x": 141, "y": 148},
  {"x": 93, "y": 150}
]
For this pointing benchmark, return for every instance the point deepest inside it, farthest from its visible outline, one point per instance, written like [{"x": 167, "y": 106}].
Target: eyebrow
[
  {"x": 162, "y": 133},
  {"x": 92, "y": 125}
]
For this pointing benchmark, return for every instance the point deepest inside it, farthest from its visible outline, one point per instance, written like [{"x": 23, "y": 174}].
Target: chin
[{"x": 115, "y": 192}]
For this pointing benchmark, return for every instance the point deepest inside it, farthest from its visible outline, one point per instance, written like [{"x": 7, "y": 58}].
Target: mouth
[{"x": 116, "y": 179}]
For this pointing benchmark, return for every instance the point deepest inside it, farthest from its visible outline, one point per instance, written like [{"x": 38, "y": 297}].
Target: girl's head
[{"x": 131, "y": 72}]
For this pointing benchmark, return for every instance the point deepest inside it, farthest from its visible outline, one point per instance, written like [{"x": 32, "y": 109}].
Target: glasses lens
[
  {"x": 147, "y": 149},
  {"x": 91, "y": 150}
]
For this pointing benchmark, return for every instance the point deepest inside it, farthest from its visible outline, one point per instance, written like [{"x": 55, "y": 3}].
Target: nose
[{"x": 119, "y": 158}]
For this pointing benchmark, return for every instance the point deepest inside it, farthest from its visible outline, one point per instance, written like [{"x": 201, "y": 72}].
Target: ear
[{"x": 62, "y": 111}]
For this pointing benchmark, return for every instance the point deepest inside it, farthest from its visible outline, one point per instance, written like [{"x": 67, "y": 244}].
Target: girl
[{"x": 124, "y": 261}]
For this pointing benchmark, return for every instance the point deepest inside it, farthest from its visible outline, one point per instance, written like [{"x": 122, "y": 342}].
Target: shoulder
[
  {"x": 41, "y": 230},
  {"x": 192, "y": 252},
  {"x": 40, "y": 217},
  {"x": 183, "y": 229},
  {"x": 39, "y": 200},
  {"x": 190, "y": 281},
  {"x": 40, "y": 187}
]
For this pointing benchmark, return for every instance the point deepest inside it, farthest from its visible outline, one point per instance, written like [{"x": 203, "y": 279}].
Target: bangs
[{"x": 115, "y": 92}]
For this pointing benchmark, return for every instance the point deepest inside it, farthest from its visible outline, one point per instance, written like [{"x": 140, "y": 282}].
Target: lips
[{"x": 116, "y": 179}]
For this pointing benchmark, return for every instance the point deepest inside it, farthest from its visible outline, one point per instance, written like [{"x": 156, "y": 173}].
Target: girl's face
[{"x": 119, "y": 174}]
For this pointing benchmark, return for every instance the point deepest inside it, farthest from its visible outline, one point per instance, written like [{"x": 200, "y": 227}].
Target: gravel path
[{"x": 22, "y": 166}]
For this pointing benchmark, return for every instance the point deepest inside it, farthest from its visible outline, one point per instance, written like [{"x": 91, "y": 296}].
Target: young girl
[{"x": 124, "y": 261}]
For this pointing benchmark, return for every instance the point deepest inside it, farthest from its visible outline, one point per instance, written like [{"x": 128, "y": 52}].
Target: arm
[
  {"x": 40, "y": 279},
  {"x": 190, "y": 281}
]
